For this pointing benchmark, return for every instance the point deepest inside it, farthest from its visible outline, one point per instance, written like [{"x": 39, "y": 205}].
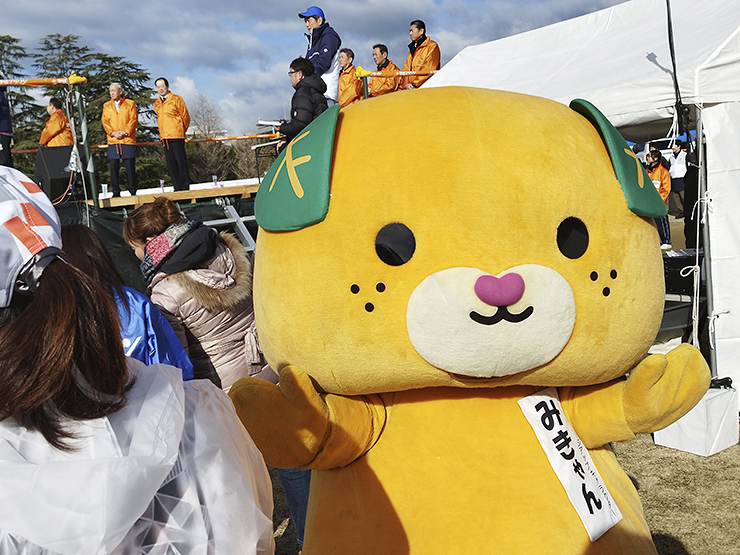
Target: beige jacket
[{"x": 211, "y": 311}]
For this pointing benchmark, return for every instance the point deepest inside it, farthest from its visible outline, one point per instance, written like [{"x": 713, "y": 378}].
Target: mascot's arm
[
  {"x": 295, "y": 426},
  {"x": 658, "y": 391}
]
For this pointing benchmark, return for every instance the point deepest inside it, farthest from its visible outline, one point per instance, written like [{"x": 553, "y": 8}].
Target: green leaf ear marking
[
  {"x": 295, "y": 191},
  {"x": 637, "y": 188}
]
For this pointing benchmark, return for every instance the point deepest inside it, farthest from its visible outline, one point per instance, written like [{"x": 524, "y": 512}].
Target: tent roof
[{"x": 617, "y": 58}]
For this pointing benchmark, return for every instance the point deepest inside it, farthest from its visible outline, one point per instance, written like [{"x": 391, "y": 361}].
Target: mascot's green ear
[
  {"x": 295, "y": 192},
  {"x": 637, "y": 188}
]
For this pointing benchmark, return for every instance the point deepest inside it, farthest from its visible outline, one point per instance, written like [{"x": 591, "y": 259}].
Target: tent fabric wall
[
  {"x": 619, "y": 59},
  {"x": 722, "y": 130}
]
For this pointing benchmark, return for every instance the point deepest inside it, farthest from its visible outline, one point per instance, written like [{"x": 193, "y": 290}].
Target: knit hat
[{"x": 29, "y": 234}]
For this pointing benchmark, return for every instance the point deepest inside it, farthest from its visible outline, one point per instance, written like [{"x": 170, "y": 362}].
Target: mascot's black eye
[
  {"x": 572, "y": 238},
  {"x": 395, "y": 244}
]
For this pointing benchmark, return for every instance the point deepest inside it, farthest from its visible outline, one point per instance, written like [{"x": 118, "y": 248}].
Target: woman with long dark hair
[
  {"x": 100, "y": 453},
  {"x": 145, "y": 333},
  {"x": 202, "y": 283}
]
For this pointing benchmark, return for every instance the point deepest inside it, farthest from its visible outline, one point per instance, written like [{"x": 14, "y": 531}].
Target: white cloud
[
  {"x": 184, "y": 87},
  {"x": 255, "y": 95},
  {"x": 211, "y": 48}
]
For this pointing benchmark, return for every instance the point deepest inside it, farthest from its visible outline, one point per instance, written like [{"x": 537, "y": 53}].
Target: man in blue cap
[{"x": 323, "y": 50}]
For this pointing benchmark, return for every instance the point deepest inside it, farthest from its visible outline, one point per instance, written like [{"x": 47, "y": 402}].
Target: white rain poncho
[{"x": 172, "y": 472}]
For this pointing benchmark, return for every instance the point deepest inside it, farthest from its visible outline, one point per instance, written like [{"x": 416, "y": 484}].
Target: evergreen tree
[
  {"x": 11, "y": 53},
  {"x": 60, "y": 55}
]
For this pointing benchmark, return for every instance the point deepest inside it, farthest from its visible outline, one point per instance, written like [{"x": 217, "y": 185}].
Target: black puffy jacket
[{"x": 307, "y": 103}]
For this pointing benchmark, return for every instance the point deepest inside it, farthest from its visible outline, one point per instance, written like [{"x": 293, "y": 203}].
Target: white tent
[{"x": 619, "y": 59}]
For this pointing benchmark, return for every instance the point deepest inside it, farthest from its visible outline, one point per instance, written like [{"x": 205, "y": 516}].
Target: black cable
[{"x": 681, "y": 110}]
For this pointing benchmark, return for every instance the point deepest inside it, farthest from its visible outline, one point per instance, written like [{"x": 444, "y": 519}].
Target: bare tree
[
  {"x": 211, "y": 158},
  {"x": 233, "y": 161},
  {"x": 245, "y": 161},
  {"x": 205, "y": 117}
]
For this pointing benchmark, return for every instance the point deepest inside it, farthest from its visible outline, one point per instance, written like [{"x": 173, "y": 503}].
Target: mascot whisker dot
[{"x": 460, "y": 331}]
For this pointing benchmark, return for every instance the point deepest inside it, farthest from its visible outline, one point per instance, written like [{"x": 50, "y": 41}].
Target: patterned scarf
[{"x": 163, "y": 245}]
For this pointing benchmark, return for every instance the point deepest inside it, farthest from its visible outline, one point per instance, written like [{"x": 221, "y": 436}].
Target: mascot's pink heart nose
[{"x": 501, "y": 291}]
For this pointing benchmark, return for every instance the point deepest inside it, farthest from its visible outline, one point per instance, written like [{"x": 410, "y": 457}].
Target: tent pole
[{"x": 702, "y": 209}]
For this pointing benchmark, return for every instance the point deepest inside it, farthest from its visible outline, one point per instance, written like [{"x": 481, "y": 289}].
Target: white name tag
[{"x": 571, "y": 462}]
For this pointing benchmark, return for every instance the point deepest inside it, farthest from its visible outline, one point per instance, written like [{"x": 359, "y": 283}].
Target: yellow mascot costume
[{"x": 452, "y": 284}]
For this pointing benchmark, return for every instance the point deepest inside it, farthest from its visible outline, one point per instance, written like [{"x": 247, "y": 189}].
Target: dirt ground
[
  {"x": 691, "y": 503},
  {"x": 678, "y": 241}
]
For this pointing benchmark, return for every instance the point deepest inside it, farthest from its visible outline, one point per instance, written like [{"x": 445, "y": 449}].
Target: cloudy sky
[{"x": 237, "y": 52}]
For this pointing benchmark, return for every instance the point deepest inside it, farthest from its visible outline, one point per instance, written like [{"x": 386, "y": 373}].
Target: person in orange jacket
[
  {"x": 56, "y": 132},
  {"x": 423, "y": 55},
  {"x": 383, "y": 85},
  {"x": 350, "y": 87},
  {"x": 173, "y": 120},
  {"x": 662, "y": 181},
  {"x": 119, "y": 121}
]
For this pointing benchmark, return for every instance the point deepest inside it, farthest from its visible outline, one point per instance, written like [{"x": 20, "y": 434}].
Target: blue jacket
[
  {"x": 323, "y": 44},
  {"x": 147, "y": 336}
]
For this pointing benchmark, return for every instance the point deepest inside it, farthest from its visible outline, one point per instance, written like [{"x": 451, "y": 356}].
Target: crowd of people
[
  {"x": 119, "y": 119},
  {"x": 335, "y": 64},
  {"x": 130, "y": 387},
  {"x": 96, "y": 388},
  {"x": 107, "y": 444},
  {"x": 327, "y": 75},
  {"x": 324, "y": 77}
]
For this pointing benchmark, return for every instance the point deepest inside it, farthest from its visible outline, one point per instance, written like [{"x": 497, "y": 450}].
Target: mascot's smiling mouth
[
  {"x": 465, "y": 303},
  {"x": 501, "y": 314}
]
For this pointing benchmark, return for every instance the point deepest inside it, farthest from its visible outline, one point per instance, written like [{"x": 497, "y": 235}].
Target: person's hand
[
  {"x": 409, "y": 86},
  {"x": 280, "y": 145}
]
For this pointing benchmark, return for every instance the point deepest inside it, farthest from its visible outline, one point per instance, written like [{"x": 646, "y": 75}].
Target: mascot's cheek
[{"x": 454, "y": 330}]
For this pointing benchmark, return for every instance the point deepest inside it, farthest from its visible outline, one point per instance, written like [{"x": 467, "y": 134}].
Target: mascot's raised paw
[
  {"x": 662, "y": 388},
  {"x": 268, "y": 411}
]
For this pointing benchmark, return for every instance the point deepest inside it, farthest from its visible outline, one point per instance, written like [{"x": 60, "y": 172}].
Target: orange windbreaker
[
  {"x": 350, "y": 87},
  {"x": 661, "y": 175},
  {"x": 384, "y": 85},
  {"x": 123, "y": 119},
  {"x": 172, "y": 117},
  {"x": 56, "y": 132},
  {"x": 426, "y": 58}
]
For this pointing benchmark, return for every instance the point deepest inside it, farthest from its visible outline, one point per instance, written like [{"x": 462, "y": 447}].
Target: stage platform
[{"x": 192, "y": 196}]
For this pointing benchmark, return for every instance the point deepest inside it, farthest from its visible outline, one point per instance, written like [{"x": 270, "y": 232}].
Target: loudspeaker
[
  {"x": 49, "y": 172},
  {"x": 673, "y": 263}
]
